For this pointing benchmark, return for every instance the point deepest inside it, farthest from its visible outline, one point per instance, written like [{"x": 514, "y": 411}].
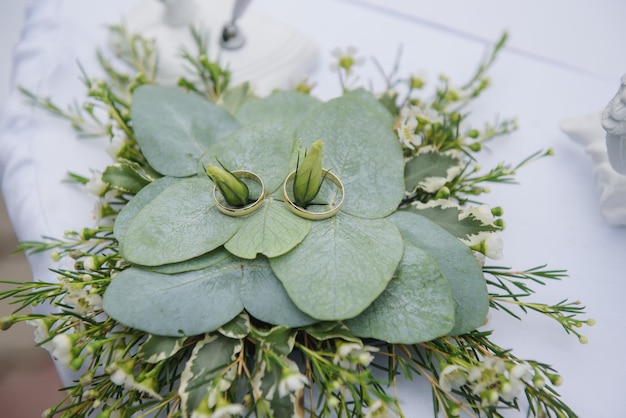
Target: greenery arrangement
[{"x": 282, "y": 256}]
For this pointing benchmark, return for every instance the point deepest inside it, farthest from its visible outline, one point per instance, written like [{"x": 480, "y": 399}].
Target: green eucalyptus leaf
[
  {"x": 175, "y": 305},
  {"x": 157, "y": 348},
  {"x": 288, "y": 106},
  {"x": 456, "y": 262},
  {"x": 361, "y": 149},
  {"x": 416, "y": 306},
  {"x": 175, "y": 129},
  {"x": 333, "y": 274},
  {"x": 272, "y": 231},
  {"x": 180, "y": 223},
  {"x": 200, "y": 301},
  {"x": 127, "y": 177},
  {"x": 198, "y": 263},
  {"x": 264, "y": 148},
  {"x": 430, "y": 170},
  {"x": 265, "y": 298},
  {"x": 449, "y": 219},
  {"x": 209, "y": 359},
  {"x": 132, "y": 208}
]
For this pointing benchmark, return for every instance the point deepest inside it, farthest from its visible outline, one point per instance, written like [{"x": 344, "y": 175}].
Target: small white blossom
[
  {"x": 293, "y": 382},
  {"x": 62, "y": 349},
  {"x": 95, "y": 185},
  {"x": 346, "y": 59},
  {"x": 452, "y": 376},
  {"x": 408, "y": 126},
  {"x": 81, "y": 301},
  {"x": 428, "y": 115},
  {"x": 351, "y": 355},
  {"x": 117, "y": 143},
  {"x": 378, "y": 410},
  {"x": 494, "y": 246},
  {"x": 120, "y": 378},
  {"x": 41, "y": 333}
]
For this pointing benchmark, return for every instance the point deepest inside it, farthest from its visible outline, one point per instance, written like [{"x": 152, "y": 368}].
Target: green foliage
[{"x": 213, "y": 321}]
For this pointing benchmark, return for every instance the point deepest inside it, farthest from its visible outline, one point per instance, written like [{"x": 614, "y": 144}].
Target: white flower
[
  {"x": 118, "y": 141},
  {"x": 452, "y": 376},
  {"x": 41, "y": 333},
  {"x": 521, "y": 372},
  {"x": 406, "y": 129},
  {"x": 95, "y": 185},
  {"x": 428, "y": 115},
  {"x": 351, "y": 355},
  {"x": 377, "y": 410},
  {"x": 62, "y": 349},
  {"x": 81, "y": 301},
  {"x": 293, "y": 382},
  {"x": 346, "y": 59},
  {"x": 120, "y": 378},
  {"x": 494, "y": 246}
]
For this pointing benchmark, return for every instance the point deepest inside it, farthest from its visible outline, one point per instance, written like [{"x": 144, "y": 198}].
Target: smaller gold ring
[
  {"x": 307, "y": 214},
  {"x": 246, "y": 210}
]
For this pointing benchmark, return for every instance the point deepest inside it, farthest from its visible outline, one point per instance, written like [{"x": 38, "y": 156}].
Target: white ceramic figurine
[{"x": 614, "y": 123}]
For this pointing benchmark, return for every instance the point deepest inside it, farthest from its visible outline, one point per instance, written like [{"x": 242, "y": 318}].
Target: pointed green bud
[
  {"x": 234, "y": 190},
  {"x": 6, "y": 322},
  {"x": 309, "y": 176}
]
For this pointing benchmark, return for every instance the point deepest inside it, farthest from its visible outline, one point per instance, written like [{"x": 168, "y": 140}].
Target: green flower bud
[
  {"x": 6, "y": 322},
  {"x": 234, "y": 190},
  {"x": 309, "y": 176}
]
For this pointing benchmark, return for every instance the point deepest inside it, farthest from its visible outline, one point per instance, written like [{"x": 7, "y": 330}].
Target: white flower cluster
[
  {"x": 292, "y": 381},
  {"x": 492, "y": 379},
  {"x": 81, "y": 299},
  {"x": 121, "y": 374},
  {"x": 352, "y": 355}
]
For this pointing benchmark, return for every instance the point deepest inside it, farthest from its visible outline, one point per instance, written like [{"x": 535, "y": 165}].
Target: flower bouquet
[{"x": 282, "y": 256}]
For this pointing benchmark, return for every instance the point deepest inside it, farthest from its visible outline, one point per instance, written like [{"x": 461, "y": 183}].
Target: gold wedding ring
[
  {"x": 307, "y": 214},
  {"x": 246, "y": 210}
]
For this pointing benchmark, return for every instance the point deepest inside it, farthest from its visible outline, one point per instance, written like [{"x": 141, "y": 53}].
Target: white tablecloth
[{"x": 564, "y": 60}]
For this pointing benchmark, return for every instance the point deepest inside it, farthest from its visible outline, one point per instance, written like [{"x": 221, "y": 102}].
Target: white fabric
[{"x": 552, "y": 216}]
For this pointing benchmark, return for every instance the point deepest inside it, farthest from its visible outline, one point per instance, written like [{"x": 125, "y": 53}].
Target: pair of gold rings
[{"x": 302, "y": 212}]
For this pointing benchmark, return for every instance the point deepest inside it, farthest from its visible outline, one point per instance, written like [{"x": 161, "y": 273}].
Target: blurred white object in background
[
  {"x": 587, "y": 131},
  {"x": 614, "y": 123},
  {"x": 274, "y": 55}
]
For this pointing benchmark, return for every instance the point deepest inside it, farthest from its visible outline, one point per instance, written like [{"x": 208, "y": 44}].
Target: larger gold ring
[
  {"x": 307, "y": 214},
  {"x": 246, "y": 210}
]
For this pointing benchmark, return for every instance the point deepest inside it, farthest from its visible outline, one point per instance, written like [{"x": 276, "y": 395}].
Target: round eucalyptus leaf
[
  {"x": 272, "y": 231},
  {"x": 341, "y": 267},
  {"x": 196, "y": 263},
  {"x": 175, "y": 305},
  {"x": 361, "y": 149},
  {"x": 141, "y": 199},
  {"x": 175, "y": 128},
  {"x": 180, "y": 223},
  {"x": 288, "y": 106},
  {"x": 456, "y": 262},
  {"x": 265, "y": 298},
  {"x": 265, "y": 148},
  {"x": 416, "y": 306}
]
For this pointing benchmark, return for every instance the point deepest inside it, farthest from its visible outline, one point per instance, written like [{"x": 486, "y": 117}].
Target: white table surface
[{"x": 564, "y": 60}]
